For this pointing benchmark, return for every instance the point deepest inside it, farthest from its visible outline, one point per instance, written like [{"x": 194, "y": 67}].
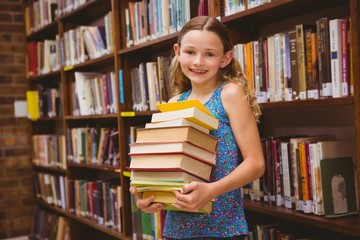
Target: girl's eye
[
  {"x": 189, "y": 52},
  {"x": 210, "y": 55}
]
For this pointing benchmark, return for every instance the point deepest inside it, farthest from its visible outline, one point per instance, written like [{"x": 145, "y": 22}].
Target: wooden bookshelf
[{"x": 264, "y": 20}]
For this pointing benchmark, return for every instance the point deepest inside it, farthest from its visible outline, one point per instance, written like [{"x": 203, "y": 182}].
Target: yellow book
[
  {"x": 192, "y": 114},
  {"x": 169, "y": 198},
  {"x": 32, "y": 99},
  {"x": 157, "y": 184},
  {"x": 173, "y": 106}
]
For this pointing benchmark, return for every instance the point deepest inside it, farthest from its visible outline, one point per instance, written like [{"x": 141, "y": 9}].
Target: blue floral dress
[{"x": 227, "y": 217}]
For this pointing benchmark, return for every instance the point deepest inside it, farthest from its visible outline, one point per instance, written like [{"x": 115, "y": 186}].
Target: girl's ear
[
  {"x": 176, "y": 49},
  {"x": 227, "y": 59}
]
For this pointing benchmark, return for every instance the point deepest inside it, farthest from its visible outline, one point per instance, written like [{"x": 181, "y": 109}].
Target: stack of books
[{"x": 172, "y": 150}]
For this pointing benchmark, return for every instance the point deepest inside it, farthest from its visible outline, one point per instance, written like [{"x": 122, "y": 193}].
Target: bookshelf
[
  {"x": 285, "y": 117},
  {"x": 79, "y": 172}
]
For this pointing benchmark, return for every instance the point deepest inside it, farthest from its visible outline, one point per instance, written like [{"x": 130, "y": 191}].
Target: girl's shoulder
[{"x": 232, "y": 90}]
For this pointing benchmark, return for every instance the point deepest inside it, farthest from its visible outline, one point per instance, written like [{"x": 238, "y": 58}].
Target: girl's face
[{"x": 201, "y": 55}]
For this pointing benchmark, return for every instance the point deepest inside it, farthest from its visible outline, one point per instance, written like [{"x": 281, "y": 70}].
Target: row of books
[
  {"x": 93, "y": 93},
  {"x": 99, "y": 201},
  {"x": 147, "y": 20},
  {"x": 93, "y": 146},
  {"x": 44, "y": 102},
  {"x": 308, "y": 62},
  {"x": 38, "y": 14},
  {"x": 49, "y": 150},
  {"x": 43, "y": 57},
  {"x": 76, "y": 46},
  {"x": 87, "y": 42},
  {"x": 151, "y": 84},
  {"x": 146, "y": 225},
  {"x": 51, "y": 189},
  {"x": 300, "y": 173},
  {"x": 235, "y": 6},
  {"x": 67, "y": 6},
  {"x": 163, "y": 159},
  {"x": 46, "y": 225}
]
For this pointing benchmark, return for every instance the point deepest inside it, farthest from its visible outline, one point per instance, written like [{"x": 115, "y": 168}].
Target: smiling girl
[{"x": 203, "y": 68}]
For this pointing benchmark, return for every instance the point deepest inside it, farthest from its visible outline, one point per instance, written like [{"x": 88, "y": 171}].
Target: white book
[
  {"x": 62, "y": 180},
  {"x": 175, "y": 123},
  {"x": 83, "y": 90},
  {"x": 288, "y": 203},
  {"x": 335, "y": 56},
  {"x": 193, "y": 114}
]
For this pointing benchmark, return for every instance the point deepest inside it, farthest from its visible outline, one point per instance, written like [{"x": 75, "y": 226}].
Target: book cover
[{"x": 339, "y": 194}]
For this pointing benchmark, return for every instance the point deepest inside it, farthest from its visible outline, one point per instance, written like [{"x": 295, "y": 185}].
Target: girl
[{"x": 204, "y": 68}]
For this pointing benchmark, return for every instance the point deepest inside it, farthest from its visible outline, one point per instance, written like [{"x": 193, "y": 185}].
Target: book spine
[
  {"x": 301, "y": 60},
  {"x": 286, "y": 174},
  {"x": 335, "y": 55},
  {"x": 345, "y": 57},
  {"x": 324, "y": 57},
  {"x": 308, "y": 64},
  {"x": 293, "y": 65}
]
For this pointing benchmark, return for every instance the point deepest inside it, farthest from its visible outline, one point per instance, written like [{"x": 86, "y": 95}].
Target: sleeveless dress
[{"x": 227, "y": 217}]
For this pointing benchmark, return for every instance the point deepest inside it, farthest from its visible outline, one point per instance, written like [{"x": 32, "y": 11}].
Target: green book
[{"x": 338, "y": 181}]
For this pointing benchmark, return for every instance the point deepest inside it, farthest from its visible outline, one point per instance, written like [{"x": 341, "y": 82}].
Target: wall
[{"x": 16, "y": 189}]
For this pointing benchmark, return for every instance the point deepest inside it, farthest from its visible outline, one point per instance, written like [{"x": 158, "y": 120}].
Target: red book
[{"x": 32, "y": 59}]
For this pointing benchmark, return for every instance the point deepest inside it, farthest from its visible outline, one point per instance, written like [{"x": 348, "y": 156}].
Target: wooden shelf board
[
  {"x": 90, "y": 223},
  {"x": 345, "y": 225},
  {"x": 309, "y": 103},
  {"x": 49, "y": 169}
]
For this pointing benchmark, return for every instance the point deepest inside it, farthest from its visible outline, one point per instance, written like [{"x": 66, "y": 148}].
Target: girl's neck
[{"x": 203, "y": 92}]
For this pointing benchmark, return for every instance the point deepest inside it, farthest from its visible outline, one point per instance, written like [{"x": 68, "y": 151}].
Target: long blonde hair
[{"x": 231, "y": 73}]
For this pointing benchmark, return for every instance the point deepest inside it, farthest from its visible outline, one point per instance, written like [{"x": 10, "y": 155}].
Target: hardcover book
[
  {"x": 173, "y": 147},
  {"x": 176, "y": 176},
  {"x": 192, "y": 114},
  {"x": 171, "y": 162},
  {"x": 168, "y": 198},
  {"x": 174, "y": 106},
  {"x": 192, "y": 110},
  {"x": 177, "y": 123},
  {"x": 172, "y": 134}
]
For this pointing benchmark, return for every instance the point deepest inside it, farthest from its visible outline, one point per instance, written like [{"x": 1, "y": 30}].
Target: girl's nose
[{"x": 199, "y": 60}]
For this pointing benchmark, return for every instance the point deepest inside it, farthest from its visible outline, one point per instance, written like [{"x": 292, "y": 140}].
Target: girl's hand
[
  {"x": 193, "y": 196},
  {"x": 146, "y": 205}
]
